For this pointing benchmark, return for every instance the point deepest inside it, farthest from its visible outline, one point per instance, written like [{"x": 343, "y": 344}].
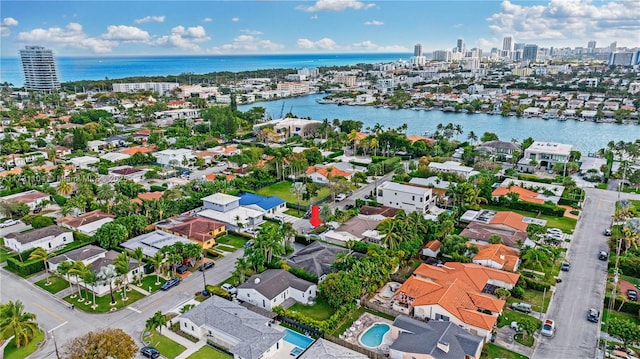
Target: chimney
[{"x": 444, "y": 346}]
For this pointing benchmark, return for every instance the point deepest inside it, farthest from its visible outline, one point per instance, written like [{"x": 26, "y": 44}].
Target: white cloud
[
  {"x": 370, "y": 46},
  {"x": 149, "y": 19},
  {"x": 247, "y": 43},
  {"x": 71, "y": 36},
  {"x": 235, "y": 19},
  {"x": 336, "y": 5},
  {"x": 322, "y": 44},
  {"x": 207, "y": 19},
  {"x": 251, "y": 32},
  {"x": 7, "y": 22},
  {"x": 578, "y": 20},
  {"x": 126, "y": 33},
  {"x": 489, "y": 43},
  {"x": 458, "y": 26},
  {"x": 184, "y": 38},
  {"x": 314, "y": 17},
  {"x": 374, "y": 22}
]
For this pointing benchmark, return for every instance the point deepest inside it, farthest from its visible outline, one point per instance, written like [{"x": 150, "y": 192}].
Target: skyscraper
[
  {"x": 417, "y": 50},
  {"x": 507, "y": 43},
  {"x": 460, "y": 45},
  {"x": 591, "y": 45},
  {"x": 39, "y": 67},
  {"x": 530, "y": 52}
]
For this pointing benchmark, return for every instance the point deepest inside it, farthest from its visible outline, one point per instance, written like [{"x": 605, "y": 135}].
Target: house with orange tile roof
[
  {"x": 481, "y": 233},
  {"x": 226, "y": 150},
  {"x": 461, "y": 293},
  {"x": 432, "y": 249},
  {"x": 523, "y": 194},
  {"x": 416, "y": 138},
  {"x": 497, "y": 256},
  {"x": 321, "y": 174},
  {"x": 147, "y": 196},
  {"x": 138, "y": 149},
  {"x": 199, "y": 230},
  {"x": 87, "y": 223}
]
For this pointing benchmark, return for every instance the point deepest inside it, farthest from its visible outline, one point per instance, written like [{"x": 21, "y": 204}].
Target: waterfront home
[
  {"x": 548, "y": 154},
  {"x": 276, "y": 287},
  {"x": 500, "y": 151},
  {"x": 241, "y": 332},
  {"x": 288, "y": 127},
  {"x": 49, "y": 238}
]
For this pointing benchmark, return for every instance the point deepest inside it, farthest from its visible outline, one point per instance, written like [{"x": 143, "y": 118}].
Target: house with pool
[
  {"x": 276, "y": 287},
  {"x": 461, "y": 293}
]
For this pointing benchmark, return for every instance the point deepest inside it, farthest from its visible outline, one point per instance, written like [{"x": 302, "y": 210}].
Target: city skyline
[{"x": 73, "y": 28}]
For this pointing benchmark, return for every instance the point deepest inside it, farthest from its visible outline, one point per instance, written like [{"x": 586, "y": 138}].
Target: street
[
  {"x": 583, "y": 286},
  {"x": 63, "y": 323}
]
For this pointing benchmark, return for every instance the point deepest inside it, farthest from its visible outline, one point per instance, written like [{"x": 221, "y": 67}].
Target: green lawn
[
  {"x": 294, "y": 212},
  {"x": 207, "y": 352},
  {"x": 528, "y": 341},
  {"x": 4, "y": 254},
  {"x": 495, "y": 352},
  {"x": 321, "y": 310},
  {"x": 231, "y": 240},
  {"x": 150, "y": 281},
  {"x": 509, "y": 316},
  {"x": 281, "y": 189},
  {"x": 167, "y": 347},
  {"x": 103, "y": 302},
  {"x": 226, "y": 248},
  {"x": 11, "y": 352},
  {"x": 534, "y": 298},
  {"x": 566, "y": 224},
  {"x": 633, "y": 280},
  {"x": 57, "y": 284}
]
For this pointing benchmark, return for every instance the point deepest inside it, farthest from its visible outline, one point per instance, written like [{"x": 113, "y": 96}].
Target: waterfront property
[{"x": 546, "y": 154}]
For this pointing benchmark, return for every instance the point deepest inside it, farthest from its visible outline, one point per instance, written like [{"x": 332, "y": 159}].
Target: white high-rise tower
[{"x": 39, "y": 67}]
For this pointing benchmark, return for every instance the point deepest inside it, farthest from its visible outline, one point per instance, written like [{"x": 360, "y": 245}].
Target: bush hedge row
[
  {"x": 623, "y": 305},
  {"x": 548, "y": 209},
  {"x": 321, "y": 325}
]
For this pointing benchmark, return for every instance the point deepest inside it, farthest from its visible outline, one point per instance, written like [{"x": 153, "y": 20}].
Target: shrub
[
  {"x": 26, "y": 268},
  {"x": 41, "y": 222},
  {"x": 517, "y": 292},
  {"x": 303, "y": 274},
  {"x": 60, "y": 200},
  {"x": 536, "y": 285},
  {"x": 623, "y": 305}
]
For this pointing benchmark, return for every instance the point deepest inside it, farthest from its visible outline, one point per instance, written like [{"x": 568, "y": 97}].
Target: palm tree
[
  {"x": 63, "y": 269},
  {"x": 122, "y": 268},
  {"x": 15, "y": 321},
  {"x": 43, "y": 255},
  {"x": 91, "y": 278},
  {"x": 242, "y": 266},
  {"x": 156, "y": 261},
  {"x": 157, "y": 321},
  {"x": 161, "y": 206},
  {"x": 138, "y": 255},
  {"x": 106, "y": 275},
  {"x": 64, "y": 188},
  {"x": 298, "y": 189},
  {"x": 392, "y": 238},
  {"x": 80, "y": 270},
  {"x": 472, "y": 137},
  {"x": 105, "y": 192}
]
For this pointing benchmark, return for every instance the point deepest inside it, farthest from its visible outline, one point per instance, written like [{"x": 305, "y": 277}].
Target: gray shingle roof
[
  {"x": 324, "y": 349},
  {"x": 251, "y": 330},
  {"x": 422, "y": 338},
  {"x": 37, "y": 234},
  {"x": 78, "y": 254},
  {"x": 272, "y": 282},
  {"x": 316, "y": 258}
]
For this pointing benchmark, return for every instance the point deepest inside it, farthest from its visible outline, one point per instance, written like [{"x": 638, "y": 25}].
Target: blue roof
[{"x": 266, "y": 203}]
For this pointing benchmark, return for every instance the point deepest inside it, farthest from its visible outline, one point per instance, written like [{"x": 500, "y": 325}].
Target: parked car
[
  {"x": 37, "y": 210},
  {"x": 249, "y": 243},
  {"x": 170, "y": 283},
  {"x": 632, "y": 295},
  {"x": 206, "y": 265},
  {"x": 607, "y": 232},
  {"x": 565, "y": 266},
  {"x": 554, "y": 231},
  {"x": 348, "y": 206},
  {"x": 521, "y": 307},
  {"x": 514, "y": 326},
  {"x": 340, "y": 197},
  {"x": 548, "y": 328},
  {"x": 279, "y": 218},
  {"x": 150, "y": 352},
  {"x": 603, "y": 256},
  {"x": 229, "y": 288},
  {"x": 593, "y": 315},
  {"x": 9, "y": 223},
  {"x": 182, "y": 269}
]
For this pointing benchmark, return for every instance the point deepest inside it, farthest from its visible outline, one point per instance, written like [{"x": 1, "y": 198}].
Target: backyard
[
  {"x": 321, "y": 310},
  {"x": 281, "y": 189},
  {"x": 566, "y": 224},
  {"x": 207, "y": 352},
  {"x": 229, "y": 240},
  {"x": 167, "y": 347}
]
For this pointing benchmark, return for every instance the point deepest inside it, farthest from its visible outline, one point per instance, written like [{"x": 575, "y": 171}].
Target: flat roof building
[{"x": 40, "y": 73}]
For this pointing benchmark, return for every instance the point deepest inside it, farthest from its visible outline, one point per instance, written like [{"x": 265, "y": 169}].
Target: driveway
[{"x": 583, "y": 286}]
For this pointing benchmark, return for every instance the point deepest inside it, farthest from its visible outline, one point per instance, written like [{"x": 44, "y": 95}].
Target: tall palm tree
[
  {"x": 15, "y": 321},
  {"x": 242, "y": 266},
  {"x": 122, "y": 268},
  {"x": 64, "y": 188},
  {"x": 157, "y": 321},
  {"x": 105, "y": 192},
  {"x": 80, "y": 270},
  {"x": 106, "y": 275},
  {"x": 138, "y": 255},
  {"x": 91, "y": 278},
  {"x": 156, "y": 261},
  {"x": 43, "y": 255},
  {"x": 63, "y": 269}
]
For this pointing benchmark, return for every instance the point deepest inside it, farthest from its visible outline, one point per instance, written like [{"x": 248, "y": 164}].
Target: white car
[
  {"x": 548, "y": 328},
  {"x": 340, "y": 197},
  {"x": 9, "y": 223},
  {"x": 229, "y": 288},
  {"x": 554, "y": 231}
]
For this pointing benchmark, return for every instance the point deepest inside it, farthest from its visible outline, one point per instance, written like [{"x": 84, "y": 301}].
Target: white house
[
  {"x": 31, "y": 198},
  {"x": 273, "y": 287},
  {"x": 178, "y": 156},
  {"x": 87, "y": 223},
  {"x": 243, "y": 333},
  {"x": 548, "y": 153},
  {"x": 48, "y": 238},
  {"x": 405, "y": 197},
  {"x": 226, "y": 209},
  {"x": 453, "y": 167},
  {"x": 84, "y": 161}
]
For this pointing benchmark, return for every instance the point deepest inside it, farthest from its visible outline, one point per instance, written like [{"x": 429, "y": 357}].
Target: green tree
[
  {"x": 42, "y": 255},
  {"x": 110, "y": 235},
  {"x": 156, "y": 261},
  {"x": 298, "y": 189},
  {"x": 102, "y": 343},
  {"x": 340, "y": 288},
  {"x": 488, "y": 136},
  {"x": 157, "y": 321},
  {"x": 15, "y": 321},
  {"x": 63, "y": 269},
  {"x": 625, "y": 330},
  {"x": 138, "y": 255},
  {"x": 41, "y": 222}
]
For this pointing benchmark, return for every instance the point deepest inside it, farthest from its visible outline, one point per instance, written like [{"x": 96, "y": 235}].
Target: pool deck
[
  {"x": 285, "y": 348},
  {"x": 359, "y": 326}
]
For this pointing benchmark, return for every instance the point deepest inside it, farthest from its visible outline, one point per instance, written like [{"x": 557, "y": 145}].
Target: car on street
[
  {"x": 206, "y": 265},
  {"x": 632, "y": 295},
  {"x": 607, "y": 232},
  {"x": 340, "y": 197},
  {"x": 229, "y": 288},
  {"x": 593, "y": 315},
  {"x": 348, "y": 206},
  {"x": 170, "y": 283},
  {"x": 603, "y": 256},
  {"x": 565, "y": 266},
  {"x": 521, "y": 307},
  {"x": 182, "y": 269},
  {"x": 150, "y": 352},
  {"x": 9, "y": 223},
  {"x": 37, "y": 210},
  {"x": 548, "y": 328}
]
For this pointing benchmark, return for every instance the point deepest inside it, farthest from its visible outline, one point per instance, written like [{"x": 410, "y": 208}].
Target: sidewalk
[
  {"x": 190, "y": 346},
  {"x": 504, "y": 338},
  {"x": 190, "y": 350},
  {"x": 135, "y": 287}
]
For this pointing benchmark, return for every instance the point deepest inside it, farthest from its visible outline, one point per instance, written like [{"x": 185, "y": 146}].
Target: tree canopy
[{"x": 103, "y": 343}]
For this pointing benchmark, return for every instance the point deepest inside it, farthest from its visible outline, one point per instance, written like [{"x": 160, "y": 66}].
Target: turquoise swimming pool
[
  {"x": 297, "y": 339},
  {"x": 373, "y": 336}
]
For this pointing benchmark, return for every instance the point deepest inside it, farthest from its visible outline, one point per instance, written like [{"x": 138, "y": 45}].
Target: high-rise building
[
  {"x": 460, "y": 45},
  {"x": 591, "y": 45},
  {"x": 417, "y": 50},
  {"x": 39, "y": 67},
  {"x": 613, "y": 46},
  {"x": 530, "y": 52},
  {"x": 507, "y": 44}
]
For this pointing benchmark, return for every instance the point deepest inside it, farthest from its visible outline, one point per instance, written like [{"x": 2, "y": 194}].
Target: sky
[{"x": 126, "y": 28}]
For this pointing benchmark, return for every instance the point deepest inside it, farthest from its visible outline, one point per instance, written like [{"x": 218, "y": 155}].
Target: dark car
[
  {"x": 593, "y": 315},
  {"x": 607, "y": 232},
  {"x": 181, "y": 269},
  {"x": 170, "y": 283},
  {"x": 603, "y": 256},
  {"x": 632, "y": 295},
  {"x": 565, "y": 266},
  {"x": 150, "y": 352},
  {"x": 206, "y": 265},
  {"x": 37, "y": 210}
]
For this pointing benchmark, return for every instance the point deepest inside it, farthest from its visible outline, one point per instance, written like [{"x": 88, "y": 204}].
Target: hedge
[
  {"x": 240, "y": 234},
  {"x": 533, "y": 178},
  {"x": 628, "y": 264},
  {"x": 336, "y": 154},
  {"x": 60, "y": 200},
  {"x": 550, "y": 210},
  {"x": 320, "y": 325},
  {"x": 536, "y": 285},
  {"x": 24, "y": 269},
  {"x": 155, "y": 188},
  {"x": 627, "y": 306},
  {"x": 303, "y": 274}
]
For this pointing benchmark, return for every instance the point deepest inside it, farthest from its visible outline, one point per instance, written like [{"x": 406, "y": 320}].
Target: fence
[
  {"x": 359, "y": 349},
  {"x": 379, "y": 308}
]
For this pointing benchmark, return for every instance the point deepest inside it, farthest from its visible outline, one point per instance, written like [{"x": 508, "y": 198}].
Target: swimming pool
[
  {"x": 373, "y": 336},
  {"x": 297, "y": 339}
]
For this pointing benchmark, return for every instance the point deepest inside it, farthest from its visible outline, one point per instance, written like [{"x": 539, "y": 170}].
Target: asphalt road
[
  {"x": 583, "y": 286},
  {"x": 63, "y": 323}
]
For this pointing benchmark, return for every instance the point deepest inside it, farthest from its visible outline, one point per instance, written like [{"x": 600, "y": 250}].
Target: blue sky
[{"x": 89, "y": 28}]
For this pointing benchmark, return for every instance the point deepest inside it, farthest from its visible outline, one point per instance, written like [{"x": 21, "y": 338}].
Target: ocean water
[{"x": 99, "y": 68}]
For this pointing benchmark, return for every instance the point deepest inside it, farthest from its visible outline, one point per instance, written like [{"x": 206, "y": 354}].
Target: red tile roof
[
  {"x": 523, "y": 193},
  {"x": 335, "y": 172},
  {"x": 499, "y": 253},
  {"x": 511, "y": 219},
  {"x": 197, "y": 228}
]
